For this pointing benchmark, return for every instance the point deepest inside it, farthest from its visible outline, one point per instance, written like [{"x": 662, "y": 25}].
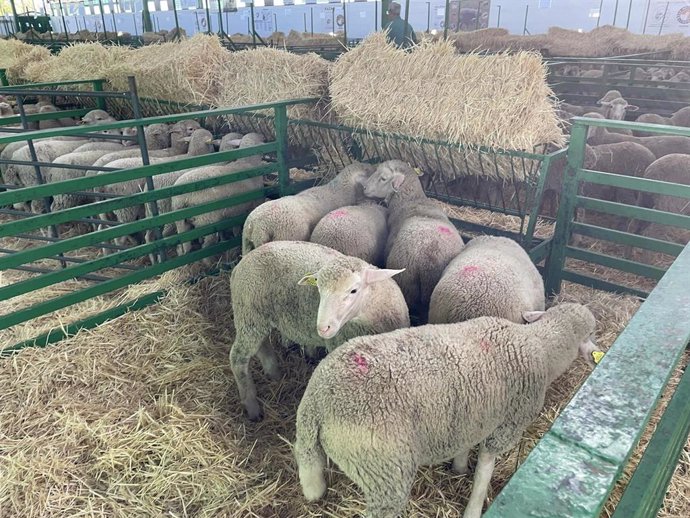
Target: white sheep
[
  {"x": 338, "y": 298},
  {"x": 293, "y": 218},
  {"x": 490, "y": 277},
  {"x": 225, "y": 191},
  {"x": 381, "y": 406},
  {"x": 421, "y": 238},
  {"x": 660, "y": 145},
  {"x": 356, "y": 230}
]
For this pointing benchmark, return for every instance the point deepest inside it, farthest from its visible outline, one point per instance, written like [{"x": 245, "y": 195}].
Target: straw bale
[
  {"x": 185, "y": 71},
  {"x": 499, "y": 101},
  {"x": 16, "y": 57}
]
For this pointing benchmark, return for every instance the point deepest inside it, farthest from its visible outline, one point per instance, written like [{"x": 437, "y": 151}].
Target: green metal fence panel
[{"x": 573, "y": 468}]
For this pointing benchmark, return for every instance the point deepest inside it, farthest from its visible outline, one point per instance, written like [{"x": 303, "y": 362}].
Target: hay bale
[
  {"x": 16, "y": 57},
  {"x": 184, "y": 71},
  {"x": 265, "y": 75},
  {"x": 499, "y": 101}
]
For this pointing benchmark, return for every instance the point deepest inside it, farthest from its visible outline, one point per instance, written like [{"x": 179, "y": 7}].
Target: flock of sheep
[
  {"x": 660, "y": 73},
  {"x": 637, "y": 153},
  {"x": 75, "y": 155},
  {"x": 346, "y": 267}
]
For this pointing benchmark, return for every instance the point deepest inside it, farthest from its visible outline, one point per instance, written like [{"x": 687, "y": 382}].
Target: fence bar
[
  {"x": 646, "y": 17},
  {"x": 663, "y": 19}
]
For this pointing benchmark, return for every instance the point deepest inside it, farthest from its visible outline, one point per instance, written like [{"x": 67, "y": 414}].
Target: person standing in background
[{"x": 398, "y": 30}]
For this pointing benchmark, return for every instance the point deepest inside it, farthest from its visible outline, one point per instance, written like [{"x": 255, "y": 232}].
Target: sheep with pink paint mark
[
  {"x": 355, "y": 230},
  {"x": 421, "y": 238},
  {"x": 492, "y": 276}
]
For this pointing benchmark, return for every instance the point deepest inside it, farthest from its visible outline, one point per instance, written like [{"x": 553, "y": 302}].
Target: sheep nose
[{"x": 323, "y": 330}]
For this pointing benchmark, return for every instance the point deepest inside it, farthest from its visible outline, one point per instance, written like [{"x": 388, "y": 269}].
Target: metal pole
[
  {"x": 498, "y": 22},
  {"x": 275, "y": 22},
  {"x": 136, "y": 31},
  {"x": 428, "y": 17},
  {"x": 64, "y": 23},
  {"x": 177, "y": 21},
  {"x": 220, "y": 19},
  {"x": 141, "y": 139},
  {"x": 100, "y": 6},
  {"x": 663, "y": 20},
  {"x": 601, "y": 6},
  {"x": 376, "y": 16},
  {"x": 646, "y": 15},
  {"x": 117, "y": 36},
  {"x": 524, "y": 27},
  {"x": 345, "y": 22},
  {"x": 615, "y": 13},
  {"x": 305, "y": 22},
  {"x": 76, "y": 21},
  {"x": 208, "y": 19},
  {"x": 251, "y": 9},
  {"x": 445, "y": 20},
  {"x": 312, "y": 21},
  {"x": 14, "y": 13},
  {"x": 627, "y": 22},
  {"x": 407, "y": 17},
  {"x": 479, "y": 7}
]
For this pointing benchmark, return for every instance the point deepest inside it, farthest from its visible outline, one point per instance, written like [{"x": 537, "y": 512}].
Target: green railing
[
  {"x": 625, "y": 241},
  {"x": 574, "y": 467},
  {"x": 55, "y": 249},
  {"x": 662, "y": 97}
]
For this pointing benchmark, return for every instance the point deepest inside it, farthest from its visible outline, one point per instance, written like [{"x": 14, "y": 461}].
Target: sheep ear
[
  {"x": 532, "y": 316},
  {"x": 604, "y": 103},
  {"x": 186, "y": 139},
  {"x": 309, "y": 279},
  {"x": 216, "y": 142},
  {"x": 372, "y": 275},
  {"x": 398, "y": 180},
  {"x": 632, "y": 108},
  {"x": 235, "y": 142}
]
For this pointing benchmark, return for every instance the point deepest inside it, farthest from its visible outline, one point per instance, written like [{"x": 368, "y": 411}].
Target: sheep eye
[
  {"x": 382, "y": 179},
  {"x": 353, "y": 291}
]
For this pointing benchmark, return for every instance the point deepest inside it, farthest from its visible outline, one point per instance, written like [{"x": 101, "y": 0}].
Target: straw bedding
[
  {"x": 16, "y": 57},
  {"x": 140, "y": 417}
]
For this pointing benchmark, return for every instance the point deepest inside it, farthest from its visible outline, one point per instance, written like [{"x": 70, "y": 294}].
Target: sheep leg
[
  {"x": 310, "y": 457},
  {"x": 387, "y": 495},
  {"x": 247, "y": 344},
  {"x": 183, "y": 226},
  {"x": 480, "y": 485},
  {"x": 460, "y": 463},
  {"x": 269, "y": 361}
]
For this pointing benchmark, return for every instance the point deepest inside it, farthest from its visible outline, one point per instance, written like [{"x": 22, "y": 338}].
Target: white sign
[{"x": 675, "y": 19}]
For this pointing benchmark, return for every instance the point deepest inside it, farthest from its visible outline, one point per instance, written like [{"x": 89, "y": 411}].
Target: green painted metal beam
[
  {"x": 661, "y": 129},
  {"x": 600, "y": 284},
  {"x": 632, "y": 182},
  {"x": 646, "y": 490},
  {"x": 574, "y": 467},
  {"x": 16, "y": 119},
  {"x": 609, "y": 261},
  {"x": 625, "y": 238},
  {"x": 633, "y": 212}
]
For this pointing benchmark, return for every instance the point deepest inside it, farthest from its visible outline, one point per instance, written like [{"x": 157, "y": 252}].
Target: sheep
[
  {"x": 225, "y": 191},
  {"x": 650, "y": 118},
  {"x": 381, "y": 406},
  {"x": 617, "y": 108},
  {"x": 592, "y": 73},
  {"x": 338, "y": 298},
  {"x": 293, "y": 218},
  {"x": 680, "y": 77},
  {"x": 681, "y": 117},
  {"x": 355, "y": 230},
  {"x": 6, "y": 110},
  {"x": 421, "y": 239},
  {"x": 492, "y": 277},
  {"x": 199, "y": 144},
  {"x": 658, "y": 145},
  {"x": 157, "y": 138},
  {"x": 673, "y": 168}
]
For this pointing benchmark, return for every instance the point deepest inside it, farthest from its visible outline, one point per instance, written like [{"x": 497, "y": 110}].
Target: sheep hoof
[{"x": 253, "y": 411}]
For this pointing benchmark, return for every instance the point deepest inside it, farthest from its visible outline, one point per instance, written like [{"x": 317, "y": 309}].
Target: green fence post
[
  {"x": 281, "y": 122},
  {"x": 177, "y": 21},
  {"x": 64, "y": 23},
  {"x": 14, "y": 13},
  {"x": 100, "y": 101},
  {"x": 446, "y": 16},
  {"x": 345, "y": 22},
  {"x": 3, "y": 77},
  {"x": 105, "y": 31},
  {"x": 556, "y": 261},
  {"x": 251, "y": 13}
]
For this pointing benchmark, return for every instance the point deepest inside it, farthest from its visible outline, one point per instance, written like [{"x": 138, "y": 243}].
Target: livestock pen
[{"x": 132, "y": 412}]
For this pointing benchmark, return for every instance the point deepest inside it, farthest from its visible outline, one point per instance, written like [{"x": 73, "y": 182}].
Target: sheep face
[
  {"x": 344, "y": 289},
  {"x": 97, "y": 117},
  {"x": 386, "y": 180}
]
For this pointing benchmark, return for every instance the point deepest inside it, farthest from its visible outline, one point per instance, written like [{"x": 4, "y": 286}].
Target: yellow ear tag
[
  {"x": 597, "y": 356},
  {"x": 311, "y": 281},
  {"x": 418, "y": 171}
]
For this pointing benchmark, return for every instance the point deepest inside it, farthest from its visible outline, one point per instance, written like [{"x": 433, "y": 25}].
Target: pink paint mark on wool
[
  {"x": 361, "y": 363},
  {"x": 485, "y": 345},
  {"x": 470, "y": 269},
  {"x": 338, "y": 213},
  {"x": 444, "y": 230}
]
